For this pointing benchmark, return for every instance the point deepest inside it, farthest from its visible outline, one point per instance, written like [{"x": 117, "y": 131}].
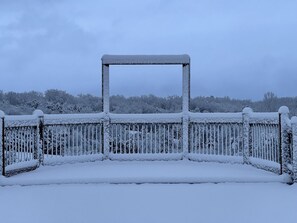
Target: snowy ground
[
  {"x": 143, "y": 172},
  {"x": 104, "y": 202},
  {"x": 267, "y": 202}
]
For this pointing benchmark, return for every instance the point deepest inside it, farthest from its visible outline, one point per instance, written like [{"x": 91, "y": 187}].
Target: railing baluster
[
  {"x": 116, "y": 138},
  {"x": 21, "y": 149},
  {"x": 155, "y": 138},
  {"x": 18, "y": 145},
  {"x": 160, "y": 138},
  {"x": 123, "y": 127},
  {"x": 97, "y": 149},
  {"x": 198, "y": 137},
  {"x": 46, "y": 133},
  {"x": 132, "y": 138},
  {"x": 215, "y": 151},
  {"x": 69, "y": 140},
  {"x": 121, "y": 139},
  {"x": 142, "y": 138},
  {"x": 168, "y": 139},
  {"x": 276, "y": 156},
  {"x": 52, "y": 141},
  {"x": 164, "y": 138},
  {"x": 191, "y": 137},
  {"x": 64, "y": 141},
  {"x": 258, "y": 141}
]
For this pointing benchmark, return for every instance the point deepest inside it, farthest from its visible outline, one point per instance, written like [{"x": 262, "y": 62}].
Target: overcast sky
[{"x": 240, "y": 49}]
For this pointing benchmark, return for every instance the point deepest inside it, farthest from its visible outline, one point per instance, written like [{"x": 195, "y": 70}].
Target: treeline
[{"x": 57, "y": 101}]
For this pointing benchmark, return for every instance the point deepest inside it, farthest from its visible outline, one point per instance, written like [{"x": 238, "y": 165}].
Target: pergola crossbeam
[{"x": 145, "y": 59}]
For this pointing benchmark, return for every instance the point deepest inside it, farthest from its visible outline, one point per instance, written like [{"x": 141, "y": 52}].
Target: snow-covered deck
[{"x": 123, "y": 172}]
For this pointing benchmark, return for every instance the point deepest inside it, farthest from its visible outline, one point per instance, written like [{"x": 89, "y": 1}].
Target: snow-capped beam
[{"x": 145, "y": 59}]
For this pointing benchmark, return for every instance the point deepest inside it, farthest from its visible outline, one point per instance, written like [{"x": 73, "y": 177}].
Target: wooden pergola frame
[{"x": 183, "y": 60}]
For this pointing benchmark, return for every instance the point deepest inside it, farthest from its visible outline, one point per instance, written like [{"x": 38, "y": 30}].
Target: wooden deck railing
[{"x": 265, "y": 140}]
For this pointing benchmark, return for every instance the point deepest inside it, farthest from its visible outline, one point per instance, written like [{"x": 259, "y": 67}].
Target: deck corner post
[
  {"x": 39, "y": 153},
  {"x": 185, "y": 109},
  {"x": 246, "y": 113},
  {"x": 284, "y": 138},
  {"x": 2, "y": 144},
  {"x": 294, "y": 147}
]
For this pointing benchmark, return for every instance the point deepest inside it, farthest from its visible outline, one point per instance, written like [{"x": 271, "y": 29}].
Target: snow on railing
[{"x": 265, "y": 140}]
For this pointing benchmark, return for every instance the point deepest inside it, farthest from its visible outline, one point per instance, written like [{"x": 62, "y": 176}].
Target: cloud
[{"x": 237, "y": 48}]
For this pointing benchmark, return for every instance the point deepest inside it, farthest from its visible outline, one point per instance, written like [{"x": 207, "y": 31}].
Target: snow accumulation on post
[
  {"x": 2, "y": 160},
  {"x": 246, "y": 113},
  {"x": 284, "y": 138},
  {"x": 38, "y": 154},
  {"x": 294, "y": 134}
]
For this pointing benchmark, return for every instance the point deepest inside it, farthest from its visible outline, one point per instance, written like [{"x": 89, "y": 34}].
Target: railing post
[
  {"x": 39, "y": 153},
  {"x": 105, "y": 103},
  {"x": 246, "y": 113},
  {"x": 185, "y": 106},
  {"x": 106, "y": 126},
  {"x": 284, "y": 139},
  {"x": 2, "y": 144},
  {"x": 294, "y": 147}
]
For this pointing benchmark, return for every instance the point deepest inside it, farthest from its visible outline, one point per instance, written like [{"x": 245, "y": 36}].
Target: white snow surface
[
  {"x": 148, "y": 156},
  {"x": 216, "y": 158},
  {"x": 146, "y": 203},
  {"x": 20, "y": 120},
  {"x": 145, "y": 118},
  {"x": 22, "y": 165},
  {"x": 264, "y": 163},
  {"x": 143, "y": 172},
  {"x": 58, "y": 160},
  {"x": 294, "y": 120},
  {"x": 283, "y": 110},
  {"x": 73, "y": 118},
  {"x": 174, "y": 203},
  {"x": 216, "y": 117}
]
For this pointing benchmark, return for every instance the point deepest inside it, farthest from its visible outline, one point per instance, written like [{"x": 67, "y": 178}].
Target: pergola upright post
[
  {"x": 105, "y": 104},
  {"x": 284, "y": 139},
  {"x": 185, "y": 108}
]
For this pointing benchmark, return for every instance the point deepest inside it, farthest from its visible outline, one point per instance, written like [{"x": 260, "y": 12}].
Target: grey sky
[{"x": 240, "y": 49}]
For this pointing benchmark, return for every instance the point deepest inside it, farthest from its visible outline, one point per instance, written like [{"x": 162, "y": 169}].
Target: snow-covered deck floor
[{"x": 143, "y": 172}]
